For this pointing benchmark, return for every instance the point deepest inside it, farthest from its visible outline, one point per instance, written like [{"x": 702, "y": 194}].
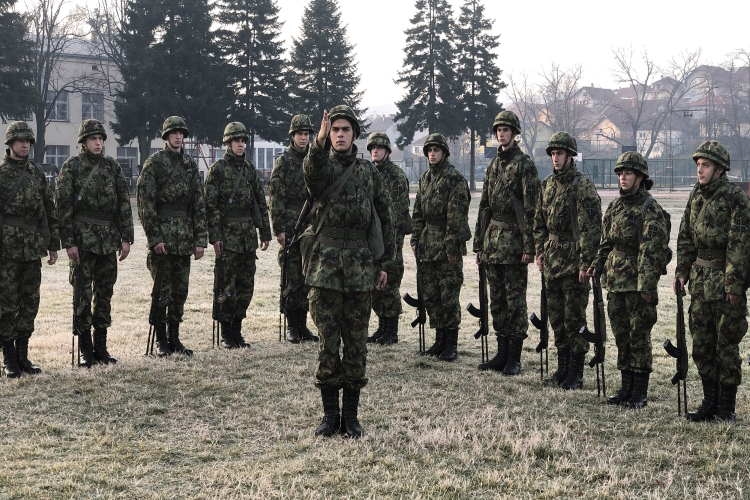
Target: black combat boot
[
  {"x": 437, "y": 347},
  {"x": 574, "y": 377},
  {"x": 307, "y": 335},
  {"x": 100, "y": 347},
  {"x": 622, "y": 396},
  {"x": 163, "y": 346},
  {"x": 10, "y": 360},
  {"x": 377, "y": 334},
  {"x": 639, "y": 394},
  {"x": 237, "y": 334},
  {"x": 390, "y": 332},
  {"x": 349, "y": 405},
  {"x": 173, "y": 335},
  {"x": 88, "y": 358},
  {"x": 331, "y": 422},
  {"x": 450, "y": 347},
  {"x": 513, "y": 364},
  {"x": 497, "y": 363},
  {"x": 24, "y": 364},
  {"x": 707, "y": 410},
  {"x": 294, "y": 333},
  {"x": 227, "y": 339},
  {"x": 563, "y": 360},
  {"x": 727, "y": 402}
]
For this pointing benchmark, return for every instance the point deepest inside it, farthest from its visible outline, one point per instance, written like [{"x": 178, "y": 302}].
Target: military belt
[
  {"x": 237, "y": 215},
  {"x": 626, "y": 252},
  {"x": 564, "y": 238},
  {"x": 18, "y": 221},
  {"x": 98, "y": 219},
  {"x": 506, "y": 218},
  {"x": 710, "y": 264},
  {"x": 339, "y": 243},
  {"x": 168, "y": 210},
  {"x": 436, "y": 221},
  {"x": 341, "y": 233},
  {"x": 711, "y": 253}
]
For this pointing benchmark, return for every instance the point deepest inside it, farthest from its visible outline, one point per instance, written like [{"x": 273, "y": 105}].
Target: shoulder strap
[
  {"x": 573, "y": 209},
  {"x": 331, "y": 193}
]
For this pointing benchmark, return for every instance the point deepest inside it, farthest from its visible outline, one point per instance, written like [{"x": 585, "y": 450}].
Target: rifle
[
  {"x": 292, "y": 240},
  {"x": 217, "y": 312},
  {"x": 598, "y": 338},
  {"x": 541, "y": 323},
  {"x": 482, "y": 313},
  {"x": 158, "y": 308},
  {"x": 680, "y": 354},
  {"x": 75, "y": 347},
  {"x": 418, "y": 304}
]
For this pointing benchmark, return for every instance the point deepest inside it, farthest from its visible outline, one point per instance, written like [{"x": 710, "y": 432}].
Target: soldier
[
  {"x": 288, "y": 194},
  {"x": 387, "y": 303},
  {"x": 567, "y": 229},
  {"x": 235, "y": 212},
  {"x": 712, "y": 256},
  {"x": 28, "y": 231},
  {"x": 173, "y": 215},
  {"x": 632, "y": 255},
  {"x": 441, "y": 229},
  {"x": 506, "y": 243},
  {"x": 341, "y": 267},
  {"x": 96, "y": 222}
]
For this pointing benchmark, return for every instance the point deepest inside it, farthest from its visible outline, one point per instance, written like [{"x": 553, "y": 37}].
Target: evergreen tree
[
  {"x": 432, "y": 87},
  {"x": 478, "y": 74},
  {"x": 15, "y": 63}
]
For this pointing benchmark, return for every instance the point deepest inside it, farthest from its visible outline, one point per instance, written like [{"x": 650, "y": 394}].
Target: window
[
  {"x": 92, "y": 106},
  {"x": 128, "y": 159},
  {"x": 56, "y": 155},
  {"x": 59, "y": 110}
]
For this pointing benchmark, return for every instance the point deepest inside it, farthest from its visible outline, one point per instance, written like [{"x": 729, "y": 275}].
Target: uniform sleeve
[
  {"x": 51, "y": 213},
  {"x": 457, "y": 231},
  {"x": 213, "y": 209},
  {"x": 686, "y": 251},
  {"x": 484, "y": 205},
  {"x": 200, "y": 233},
  {"x": 605, "y": 245},
  {"x": 589, "y": 213},
  {"x": 382, "y": 202},
  {"x": 417, "y": 218},
  {"x": 124, "y": 211},
  {"x": 146, "y": 199},
  {"x": 64, "y": 205},
  {"x": 530, "y": 192},
  {"x": 540, "y": 223},
  {"x": 278, "y": 194},
  {"x": 650, "y": 255},
  {"x": 318, "y": 169},
  {"x": 260, "y": 198},
  {"x": 401, "y": 205},
  {"x": 738, "y": 246}
]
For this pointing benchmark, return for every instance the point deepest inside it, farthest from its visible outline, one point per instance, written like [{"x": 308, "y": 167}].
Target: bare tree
[
  {"x": 107, "y": 20},
  {"x": 738, "y": 111},
  {"x": 528, "y": 107},
  {"x": 558, "y": 92}
]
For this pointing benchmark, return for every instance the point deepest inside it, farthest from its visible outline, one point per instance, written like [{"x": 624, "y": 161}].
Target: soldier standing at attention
[
  {"x": 441, "y": 230},
  {"x": 288, "y": 194},
  {"x": 712, "y": 258},
  {"x": 387, "y": 303},
  {"x": 633, "y": 254},
  {"x": 567, "y": 230},
  {"x": 28, "y": 231},
  {"x": 340, "y": 269},
  {"x": 96, "y": 222},
  {"x": 506, "y": 244},
  {"x": 236, "y": 212},
  {"x": 173, "y": 215}
]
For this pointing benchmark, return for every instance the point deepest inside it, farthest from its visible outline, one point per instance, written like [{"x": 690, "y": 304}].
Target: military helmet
[
  {"x": 714, "y": 151},
  {"x": 378, "y": 139},
  {"x": 564, "y": 141},
  {"x": 235, "y": 130},
  {"x": 300, "y": 123},
  {"x": 436, "y": 140},
  {"x": 632, "y": 160},
  {"x": 91, "y": 127},
  {"x": 18, "y": 131},
  {"x": 509, "y": 119},
  {"x": 173, "y": 123},
  {"x": 345, "y": 112}
]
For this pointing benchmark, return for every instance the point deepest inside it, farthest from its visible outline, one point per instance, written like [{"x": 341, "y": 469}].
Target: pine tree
[
  {"x": 432, "y": 88},
  {"x": 15, "y": 62}
]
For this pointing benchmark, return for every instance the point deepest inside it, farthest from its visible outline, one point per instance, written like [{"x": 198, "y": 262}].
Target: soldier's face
[
  {"x": 628, "y": 179},
  {"x": 435, "y": 155},
  {"x": 301, "y": 139},
  {"x": 342, "y": 135},
  {"x": 559, "y": 158},
  {"x": 238, "y": 146},
  {"x": 504, "y": 135},
  {"x": 706, "y": 170},
  {"x": 378, "y": 153},
  {"x": 175, "y": 139},
  {"x": 20, "y": 148},
  {"x": 95, "y": 144}
]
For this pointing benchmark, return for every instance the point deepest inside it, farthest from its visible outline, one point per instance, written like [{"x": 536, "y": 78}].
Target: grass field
[{"x": 239, "y": 424}]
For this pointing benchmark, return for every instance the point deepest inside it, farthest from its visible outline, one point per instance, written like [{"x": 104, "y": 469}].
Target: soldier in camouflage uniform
[
  {"x": 440, "y": 220},
  {"x": 340, "y": 268},
  {"x": 28, "y": 231},
  {"x": 506, "y": 244},
  {"x": 173, "y": 215},
  {"x": 288, "y": 195},
  {"x": 96, "y": 222},
  {"x": 236, "y": 212},
  {"x": 387, "y": 303},
  {"x": 567, "y": 229},
  {"x": 712, "y": 257},
  {"x": 632, "y": 255}
]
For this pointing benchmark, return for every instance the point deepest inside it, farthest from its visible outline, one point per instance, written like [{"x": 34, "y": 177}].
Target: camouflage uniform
[
  {"x": 93, "y": 205},
  {"x": 712, "y": 257},
  {"x": 173, "y": 212},
  {"x": 567, "y": 247},
  {"x": 440, "y": 221},
  {"x": 28, "y": 230},
  {"x": 236, "y": 212}
]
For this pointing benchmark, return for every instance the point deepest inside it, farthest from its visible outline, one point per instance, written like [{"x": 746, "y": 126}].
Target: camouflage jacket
[
  {"x": 340, "y": 258},
  {"x": 170, "y": 202},
  {"x": 509, "y": 193},
  {"x": 567, "y": 246},
  {"x": 28, "y": 222},
  {"x": 715, "y": 227},
  {"x": 398, "y": 187},
  {"x": 440, "y": 219},
  {"x": 93, "y": 204},
  {"x": 236, "y": 205},
  {"x": 632, "y": 243},
  {"x": 288, "y": 192}
]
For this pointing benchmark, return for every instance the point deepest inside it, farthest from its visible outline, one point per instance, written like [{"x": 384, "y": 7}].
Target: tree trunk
[
  {"x": 144, "y": 150},
  {"x": 472, "y": 162},
  {"x": 41, "y": 129}
]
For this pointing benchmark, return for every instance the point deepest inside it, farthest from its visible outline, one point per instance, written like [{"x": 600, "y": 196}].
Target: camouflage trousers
[
  {"x": 566, "y": 307},
  {"x": 717, "y": 327},
  {"x": 341, "y": 318},
  {"x": 174, "y": 271},
  {"x": 239, "y": 284},
  {"x": 631, "y": 319},
  {"x": 508, "y": 298},
  {"x": 19, "y": 298},
  {"x": 441, "y": 289},
  {"x": 98, "y": 274},
  {"x": 295, "y": 291},
  {"x": 386, "y": 303}
]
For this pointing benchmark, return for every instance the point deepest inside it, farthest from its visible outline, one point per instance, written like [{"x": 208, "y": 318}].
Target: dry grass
[{"x": 239, "y": 424}]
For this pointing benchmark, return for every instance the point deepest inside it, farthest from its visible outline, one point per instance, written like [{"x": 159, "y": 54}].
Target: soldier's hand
[
  {"x": 264, "y": 245},
  {"x": 591, "y": 272},
  {"x": 218, "y": 248},
  {"x": 52, "y": 257},
  {"x": 124, "y": 250},
  {"x": 679, "y": 285},
  {"x": 583, "y": 276},
  {"x": 160, "y": 249},
  {"x": 454, "y": 259},
  {"x": 325, "y": 129},
  {"x": 281, "y": 238},
  {"x": 649, "y": 297},
  {"x": 540, "y": 263},
  {"x": 479, "y": 258},
  {"x": 72, "y": 254},
  {"x": 198, "y": 252},
  {"x": 382, "y": 280},
  {"x": 526, "y": 258},
  {"x": 733, "y": 299}
]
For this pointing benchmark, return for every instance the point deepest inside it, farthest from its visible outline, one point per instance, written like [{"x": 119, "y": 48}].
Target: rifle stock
[
  {"x": 217, "y": 312},
  {"x": 679, "y": 352},
  {"x": 156, "y": 314},
  {"x": 542, "y": 324},
  {"x": 418, "y": 304},
  {"x": 482, "y": 313},
  {"x": 598, "y": 338}
]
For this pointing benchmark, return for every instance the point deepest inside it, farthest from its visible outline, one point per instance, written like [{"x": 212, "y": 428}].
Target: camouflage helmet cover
[
  {"x": 18, "y": 131},
  {"x": 300, "y": 123},
  {"x": 173, "y": 123},
  {"x": 564, "y": 141},
  {"x": 508, "y": 119},
  {"x": 89, "y": 128},
  {"x": 345, "y": 112},
  {"x": 714, "y": 151},
  {"x": 632, "y": 160},
  {"x": 378, "y": 139},
  {"x": 234, "y": 130},
  {"x": 436, "y": 140}
]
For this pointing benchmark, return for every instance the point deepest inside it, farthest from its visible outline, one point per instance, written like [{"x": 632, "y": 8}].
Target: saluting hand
[{"x": 325, "y": 129}]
